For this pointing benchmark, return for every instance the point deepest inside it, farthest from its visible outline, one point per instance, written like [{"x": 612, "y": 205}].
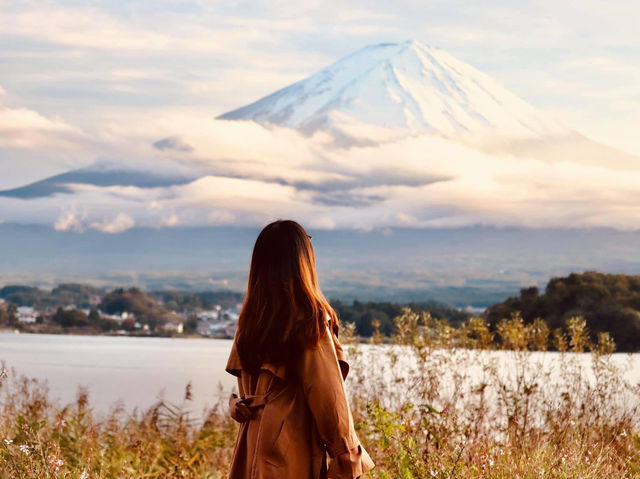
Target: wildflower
[
  {"x": 8, "y": 441},
  {"x": 24, "y": 448},
  {"x": 623, "y": 434},
  {"x": 84, "y": 475}
]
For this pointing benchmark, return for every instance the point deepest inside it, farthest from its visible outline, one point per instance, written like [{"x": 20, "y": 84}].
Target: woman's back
[{"x": 295, "y": 420}]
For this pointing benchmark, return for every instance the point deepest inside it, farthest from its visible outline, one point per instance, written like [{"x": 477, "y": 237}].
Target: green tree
[
  {"x": 191, "y": 325},
  {"x": 70, "y": 318}
]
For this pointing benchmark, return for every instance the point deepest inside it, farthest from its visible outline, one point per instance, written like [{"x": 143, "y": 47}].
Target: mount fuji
[
  {"x": 389, "y": 91},
  {"x": 418, "y": 175}
]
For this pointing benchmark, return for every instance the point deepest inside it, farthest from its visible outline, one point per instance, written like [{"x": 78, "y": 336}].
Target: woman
[{"x": 291, "y": 368}]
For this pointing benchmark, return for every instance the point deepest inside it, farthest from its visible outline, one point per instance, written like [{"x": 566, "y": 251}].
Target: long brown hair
[{"x": 284, "y": 310}]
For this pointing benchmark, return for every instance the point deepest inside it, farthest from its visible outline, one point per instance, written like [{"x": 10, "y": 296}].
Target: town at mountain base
[{"x": 608, "y": 303}]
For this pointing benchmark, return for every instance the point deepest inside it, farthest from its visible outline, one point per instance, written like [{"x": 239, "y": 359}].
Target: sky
[{"x": 85, "y": 81}]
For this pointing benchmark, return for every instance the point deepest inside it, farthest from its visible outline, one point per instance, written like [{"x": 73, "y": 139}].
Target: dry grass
[
  {"x": 447, "y": 404},
  {"x": 41, "y": 440},
  {"x": 438, "y": 403}
]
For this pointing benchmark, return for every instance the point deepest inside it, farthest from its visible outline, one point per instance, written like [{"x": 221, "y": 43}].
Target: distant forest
[
  {"x": 85, "y": 297},
  {"x": 154, "y": 308}
]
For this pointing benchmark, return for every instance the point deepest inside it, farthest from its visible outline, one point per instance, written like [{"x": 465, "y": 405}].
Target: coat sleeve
[{"x": 323, "y": 385}]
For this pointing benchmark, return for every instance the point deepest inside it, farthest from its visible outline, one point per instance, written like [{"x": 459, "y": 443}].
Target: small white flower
[
  {"x": 84, "y": 475},
  {"x": 24, "y": 448},
  {"x": 8, "y": 441},
  {"x": 60, "y": 462}
]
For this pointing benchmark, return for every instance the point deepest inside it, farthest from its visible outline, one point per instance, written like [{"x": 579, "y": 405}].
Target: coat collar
[{"x": 234, "y": 366}]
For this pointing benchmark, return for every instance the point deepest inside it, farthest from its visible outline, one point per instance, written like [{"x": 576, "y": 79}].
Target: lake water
[
  {"x": 132, "y": 370},
  {"x": 136, "y": 371}
]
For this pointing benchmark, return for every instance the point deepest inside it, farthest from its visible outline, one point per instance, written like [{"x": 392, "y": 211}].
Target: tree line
[{"x": 607, "y": 302}]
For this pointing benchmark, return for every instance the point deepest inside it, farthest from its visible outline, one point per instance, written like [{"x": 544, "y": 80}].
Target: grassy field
[{"x": 435, "y": 404}]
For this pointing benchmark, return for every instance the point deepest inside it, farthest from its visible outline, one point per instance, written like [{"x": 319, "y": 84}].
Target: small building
[
  {"x": 223, "y": 329},
  {"x": 117, "y": 317},
  {"x": 231, "y": 329},
  {"x": 174, "y": 327},
  {"x": 27, "y": 314},
  {"x": 214, "y": 314}
]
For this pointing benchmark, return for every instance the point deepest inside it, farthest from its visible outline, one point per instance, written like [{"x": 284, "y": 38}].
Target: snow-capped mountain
[
  {"x": 402, "y": 87},
  {"x": 387, "y": 92}
]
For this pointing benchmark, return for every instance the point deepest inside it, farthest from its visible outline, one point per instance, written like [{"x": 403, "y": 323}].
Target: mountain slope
[
  {"x": 97, "y": 176},
  {"x": 408, "y": 86}
]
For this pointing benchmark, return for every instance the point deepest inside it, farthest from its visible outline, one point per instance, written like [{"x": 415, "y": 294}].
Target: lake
[
  {"x": 137, "y": 371},
  {"x": 133, "y": 370}
]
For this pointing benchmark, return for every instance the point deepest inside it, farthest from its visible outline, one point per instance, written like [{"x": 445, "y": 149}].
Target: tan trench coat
[{"x": 292, "y": 425}]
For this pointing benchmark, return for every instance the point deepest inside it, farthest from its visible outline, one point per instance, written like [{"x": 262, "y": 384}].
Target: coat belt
[{"x": 254, "y": 401}]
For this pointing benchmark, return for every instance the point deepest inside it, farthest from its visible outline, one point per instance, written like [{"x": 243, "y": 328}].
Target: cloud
[
  {"x": 25, "y": 128},
  {"x": 121, "y": 222},
  {"x": 71, "y": 220},
  {"x": 250, "y": 175},
  {"x": 172, "y": 143},
  {"x": 140, "y": 84},
  {"x": 68, "y": 221}
]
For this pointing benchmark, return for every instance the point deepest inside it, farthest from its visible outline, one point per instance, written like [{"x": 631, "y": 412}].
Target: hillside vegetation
[
  {"x": 365, "y": 315},
  {"x": 607, "y": 302},
  {"x": 80, "y": 295}
]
